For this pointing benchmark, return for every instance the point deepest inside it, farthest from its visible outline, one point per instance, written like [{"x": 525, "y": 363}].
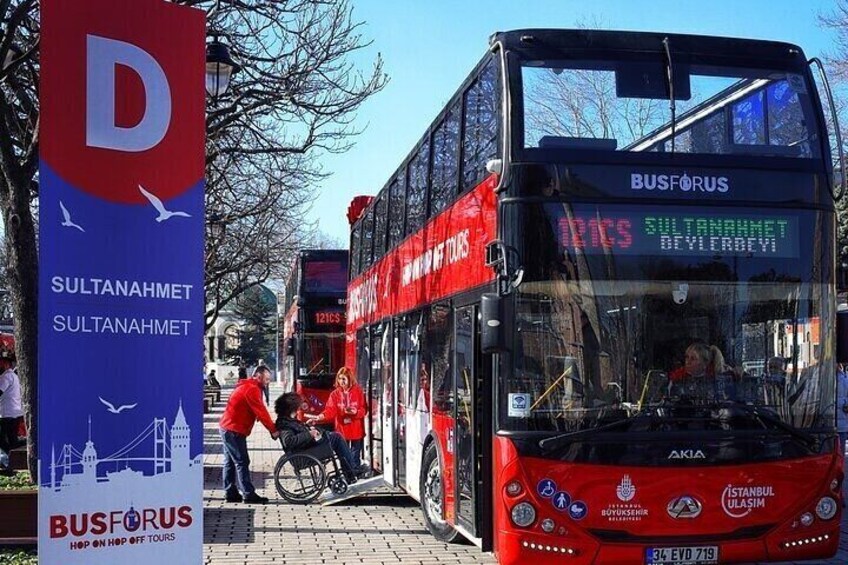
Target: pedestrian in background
[
  {"x": 346, "y": 407},
  {"x": 243, "y": 409},
  {"x": 11, "y": 407}
]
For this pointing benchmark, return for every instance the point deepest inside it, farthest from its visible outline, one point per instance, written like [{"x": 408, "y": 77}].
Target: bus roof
[{"x": 585, "y": 39}]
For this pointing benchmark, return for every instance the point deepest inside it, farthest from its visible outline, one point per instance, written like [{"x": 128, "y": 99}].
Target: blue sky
[{"x": 430, "y": 46}]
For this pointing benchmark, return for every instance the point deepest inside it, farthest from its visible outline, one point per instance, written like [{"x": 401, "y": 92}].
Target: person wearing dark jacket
[
  {"x": 297, "y": 436},
  {"x": 244, "y": 407}
]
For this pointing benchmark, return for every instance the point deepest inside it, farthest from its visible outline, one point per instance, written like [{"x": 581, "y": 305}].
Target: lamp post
[{"x": 220, "y": 68}]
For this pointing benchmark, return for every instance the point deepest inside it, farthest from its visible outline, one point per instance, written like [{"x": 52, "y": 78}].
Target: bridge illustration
[{"x": 156, "y": 450}]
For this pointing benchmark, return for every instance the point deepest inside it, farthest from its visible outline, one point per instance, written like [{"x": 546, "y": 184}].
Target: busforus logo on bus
[
  {"x": 677, "y": 182},
  {"x": 363, "y": 299}
]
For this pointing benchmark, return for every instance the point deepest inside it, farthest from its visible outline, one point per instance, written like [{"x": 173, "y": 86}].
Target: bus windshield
[
  {"x": 627, "y": 312},
  {"x": 322, "y": 277},
  {"x": 323, "y": 355},
  {"x": 624, "y": 105}
]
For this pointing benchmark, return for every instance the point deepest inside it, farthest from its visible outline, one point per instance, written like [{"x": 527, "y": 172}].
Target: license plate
[{"x": 701, "y": 555}]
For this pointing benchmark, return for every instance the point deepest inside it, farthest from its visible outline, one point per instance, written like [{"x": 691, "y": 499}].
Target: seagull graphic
[
  {"x": 118, "y": 410},
  {"x": 67, "y": 221},
  {"x": 163, "y": 213}
]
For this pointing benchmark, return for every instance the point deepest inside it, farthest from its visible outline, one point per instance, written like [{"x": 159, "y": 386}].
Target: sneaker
[
  {"x": 364, "y": 471},
  {"x": 234, "y": 497},
  {"x": 254, "y": 498}
]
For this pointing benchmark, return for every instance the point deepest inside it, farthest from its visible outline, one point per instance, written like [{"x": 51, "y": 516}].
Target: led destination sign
[
  {"x": 324, "y": 317},
  {"x": 676, "y": 232}
]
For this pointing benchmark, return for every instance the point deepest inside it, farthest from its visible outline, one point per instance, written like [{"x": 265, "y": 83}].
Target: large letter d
[{"x": 100, "y": 129}]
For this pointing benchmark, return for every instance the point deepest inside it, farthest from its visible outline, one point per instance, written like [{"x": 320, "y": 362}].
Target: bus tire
[{"x": 433, "y": 497}]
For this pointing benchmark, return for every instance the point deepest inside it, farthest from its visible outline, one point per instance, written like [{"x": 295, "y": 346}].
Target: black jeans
[{"x": 236, "y": 464}]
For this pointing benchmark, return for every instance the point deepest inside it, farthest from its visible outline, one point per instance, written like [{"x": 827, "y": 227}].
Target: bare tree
[
  {"x": 296, "y": 98},
  {"x": 582, "y": 103},
  {"x": 18, "y": 187},
  {"x": 837, "y": 66}
]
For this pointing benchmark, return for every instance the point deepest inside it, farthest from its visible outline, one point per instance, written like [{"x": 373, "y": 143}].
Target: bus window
[
  {"x": 749, "y": 121},
  {"x": 324, "y": 276},
  {"x": 366, "y": 258},
  {"x": 439, "y": 345},
  {"x": 397, "y": 209},
  {"x": 579, "y": 105},
  {"x": 416, "y": 195},
  {"x": 381, "y": 214},
  {"x": 480, "y": 131},
  {"x": 354, "y": 250},
  {"x": 443, "y": 185}
]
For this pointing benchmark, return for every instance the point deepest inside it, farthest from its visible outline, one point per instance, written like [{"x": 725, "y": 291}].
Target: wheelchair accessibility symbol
[
  {"x": 561, "y": 500},
  {"x": 546, "y": 488}
]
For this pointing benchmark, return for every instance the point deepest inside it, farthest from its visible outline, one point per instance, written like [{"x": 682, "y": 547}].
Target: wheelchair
[{"x": 301, "y": 476}]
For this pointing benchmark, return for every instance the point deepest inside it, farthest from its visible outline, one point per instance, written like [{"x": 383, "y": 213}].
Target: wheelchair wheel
[
  {"x": 337, "y": 484},
  {"x": 300, "y": 478}
]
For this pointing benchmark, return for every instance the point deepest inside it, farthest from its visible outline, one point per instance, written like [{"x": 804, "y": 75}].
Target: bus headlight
[
  {"x": 548, "y": 525},
  {"x": 523, "y": 514},
  {"x": 826, "y": 508},
  {"x": 806, "y": 518}
]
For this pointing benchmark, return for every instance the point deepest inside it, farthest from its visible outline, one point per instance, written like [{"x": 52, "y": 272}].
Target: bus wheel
[{"x": 432, "y": 497}]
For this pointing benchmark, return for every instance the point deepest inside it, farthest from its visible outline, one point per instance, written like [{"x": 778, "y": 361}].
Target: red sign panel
[{"x": 124, "y": 103}]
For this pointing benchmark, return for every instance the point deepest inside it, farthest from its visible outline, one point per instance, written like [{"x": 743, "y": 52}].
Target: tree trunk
[{"x": 22, "y": 276}]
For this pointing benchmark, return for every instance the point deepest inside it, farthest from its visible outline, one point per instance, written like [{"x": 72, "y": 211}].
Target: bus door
[
  {"x": 466, "y": 412},
  {"x": 376, "y": 404},
  {"x": 363, "y": 375},
  {"x": 406, "y": 352},
  {"x": 388, "y": 362}
]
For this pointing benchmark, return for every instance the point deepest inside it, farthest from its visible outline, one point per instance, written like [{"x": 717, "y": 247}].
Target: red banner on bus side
[{"x": 445, "y": 257}]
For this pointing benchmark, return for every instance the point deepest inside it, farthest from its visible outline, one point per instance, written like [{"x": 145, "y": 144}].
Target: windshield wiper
[
  {"x": 767, "y": 418},
  {"x": 562, "y": 439},
  {"x": 669, "y": 75}
]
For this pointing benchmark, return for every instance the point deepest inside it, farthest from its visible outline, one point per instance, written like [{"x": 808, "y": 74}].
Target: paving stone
[{"x": 385, "y": 527}]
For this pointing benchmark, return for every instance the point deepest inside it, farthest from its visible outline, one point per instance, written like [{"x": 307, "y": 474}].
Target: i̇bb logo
[{"x": 123, "y": 104}]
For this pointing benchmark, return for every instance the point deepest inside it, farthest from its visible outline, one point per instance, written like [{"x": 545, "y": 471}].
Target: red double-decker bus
[
  {"x": 314, "y": 324},
  {"x": 595, "y": 305}
]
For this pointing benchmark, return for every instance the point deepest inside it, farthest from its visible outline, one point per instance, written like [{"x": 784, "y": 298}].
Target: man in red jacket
[{"x": 243, "y": 409}]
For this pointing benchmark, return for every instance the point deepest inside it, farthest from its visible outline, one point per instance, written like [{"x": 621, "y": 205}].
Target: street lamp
[
  {"x": 217, "y": 226},
  {"x": 220, "y": 67}
]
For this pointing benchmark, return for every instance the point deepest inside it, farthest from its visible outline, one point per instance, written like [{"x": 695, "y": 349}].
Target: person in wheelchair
[{"x": 297, "y": 436}]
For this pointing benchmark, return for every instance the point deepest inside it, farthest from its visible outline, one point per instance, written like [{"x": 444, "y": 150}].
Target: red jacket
[
  {"x": 244, "y": 407},
  {"x": 350, "y": 426}
]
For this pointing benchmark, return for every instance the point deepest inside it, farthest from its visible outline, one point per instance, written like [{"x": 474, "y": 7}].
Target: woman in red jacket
[{"x": 346, "y": 406}]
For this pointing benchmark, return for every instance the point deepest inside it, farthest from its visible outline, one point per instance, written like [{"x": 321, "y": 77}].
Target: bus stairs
[{"x": 359, "y": 488}]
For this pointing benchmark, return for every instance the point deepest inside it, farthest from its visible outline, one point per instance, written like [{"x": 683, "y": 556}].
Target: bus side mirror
[
  {"x": 842, "y": 336},
  {"x": 492, "y": 327},
  {"x": 289, "y": 347}
]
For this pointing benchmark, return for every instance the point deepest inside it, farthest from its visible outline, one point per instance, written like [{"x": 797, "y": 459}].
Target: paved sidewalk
[
  {"x": 381, "y": 528},
  {"x": 385, "y": 527}
]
